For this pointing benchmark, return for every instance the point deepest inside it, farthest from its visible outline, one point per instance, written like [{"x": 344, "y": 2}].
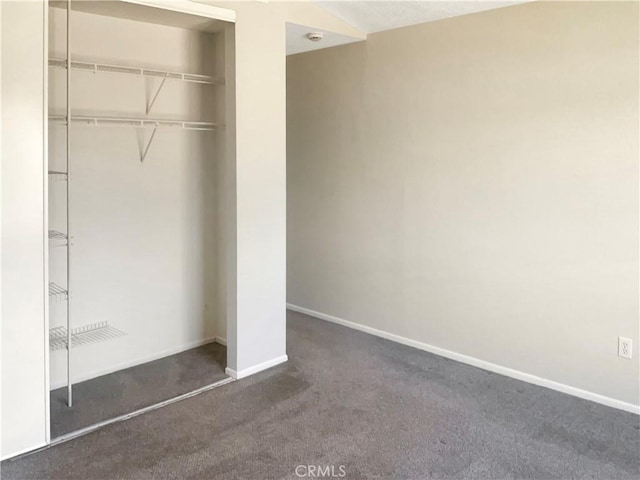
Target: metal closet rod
[
  {"x": 138, "y": 71},
  {"x": 134, "y": 122}
]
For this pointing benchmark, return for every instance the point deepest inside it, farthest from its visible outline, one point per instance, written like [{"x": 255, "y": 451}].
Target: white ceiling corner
[
  {"x": 375, "y": 16},
  {"x": 297, "y": 41}
]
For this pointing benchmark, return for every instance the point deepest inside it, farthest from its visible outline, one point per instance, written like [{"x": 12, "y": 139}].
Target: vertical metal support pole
[{"x": 69, "y": 385}]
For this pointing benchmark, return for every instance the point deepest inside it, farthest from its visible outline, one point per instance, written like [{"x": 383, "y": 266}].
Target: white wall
[
  {"x": 472, "y": 184},
  {"x": 260, "y": 183},
  {"x": 145, "y": 237},
  {"x": 24, "y": 394},
  {"x": 256, "y": 290}
]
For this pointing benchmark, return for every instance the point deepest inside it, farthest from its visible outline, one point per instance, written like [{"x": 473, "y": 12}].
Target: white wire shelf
[
  {"x": 87, "y": 334},
  {"x": 133, "y": 122},
  {"x": 56, "y": 291},
  {"x": 138, "y": 71},
  {"x": 56, "y": 235},
  {"x": 58, "y": 176}
]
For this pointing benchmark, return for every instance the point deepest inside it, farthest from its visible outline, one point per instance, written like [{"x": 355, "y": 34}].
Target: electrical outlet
[{"x": 625, "y": 347}]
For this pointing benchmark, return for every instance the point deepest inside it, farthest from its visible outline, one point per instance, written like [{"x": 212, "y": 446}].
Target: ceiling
[
  {"x": 376, "y": 16},
  {"x": 297, "y": 41}
]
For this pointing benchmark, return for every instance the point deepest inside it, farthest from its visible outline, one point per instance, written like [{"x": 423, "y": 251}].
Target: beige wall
[{"x": 473, "y": 184}]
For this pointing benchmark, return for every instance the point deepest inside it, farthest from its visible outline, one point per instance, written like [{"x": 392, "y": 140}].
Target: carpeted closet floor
[
  {"x": 131, "y": 389},
  {"x": 375, "y": 408}
]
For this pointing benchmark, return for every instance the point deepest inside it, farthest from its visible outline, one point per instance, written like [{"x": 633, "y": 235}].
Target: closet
[{"x": 136, "y": 108}]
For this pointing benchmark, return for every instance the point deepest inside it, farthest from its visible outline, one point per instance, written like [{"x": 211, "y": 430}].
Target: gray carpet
[
  {"x": 137, "y": 387},
  {"x": 381, "y": 409}
]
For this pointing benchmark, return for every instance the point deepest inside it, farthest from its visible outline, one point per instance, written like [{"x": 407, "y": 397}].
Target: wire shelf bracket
[
  {"x": 153, "y": 100},
  {"x": 146, "y": 149},
  {"x": 80, "y": 336}
]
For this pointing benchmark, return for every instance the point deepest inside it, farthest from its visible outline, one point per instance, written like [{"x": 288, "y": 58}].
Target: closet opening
[{"x": 136, "y": 188}]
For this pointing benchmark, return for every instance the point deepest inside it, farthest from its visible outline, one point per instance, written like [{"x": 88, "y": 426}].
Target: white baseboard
[
  {"x": 256, "y": 368},
  {"x": 492, "y": 367},
  {"x": 220, "y": 340},
  {"x": 137, "y": 361}
]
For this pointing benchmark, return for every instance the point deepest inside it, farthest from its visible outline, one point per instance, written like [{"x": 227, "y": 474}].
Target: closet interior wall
[{"x": 146, "y": 251}]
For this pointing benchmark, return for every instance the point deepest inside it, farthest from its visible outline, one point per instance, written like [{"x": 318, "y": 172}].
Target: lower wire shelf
[
  {"x": 56, "y": 235},
  {"x": 87, "y": 334},
  {"x": 56, "y": 291}
]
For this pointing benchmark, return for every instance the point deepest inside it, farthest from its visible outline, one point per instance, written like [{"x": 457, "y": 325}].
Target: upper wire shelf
[
  {"x": 144, "y": 72},
  {"x": 133, "y": 122},
  {"x": 60, "y": 176}
]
